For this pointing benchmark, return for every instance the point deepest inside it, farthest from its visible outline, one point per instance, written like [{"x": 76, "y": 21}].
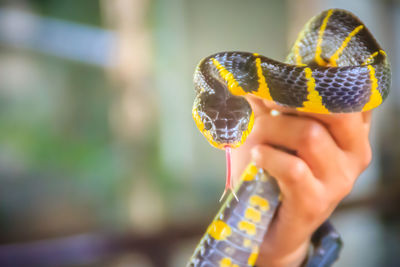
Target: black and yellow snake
[{"x": 335, "y": 66}]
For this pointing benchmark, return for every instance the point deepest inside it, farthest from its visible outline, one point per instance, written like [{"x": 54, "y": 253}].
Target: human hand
[{"x": 330, "y": 152}]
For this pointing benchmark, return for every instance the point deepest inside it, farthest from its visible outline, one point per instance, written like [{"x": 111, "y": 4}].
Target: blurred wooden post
[
  {"x": 133, "y": 114},
  {"x": 133, "y": 110}
]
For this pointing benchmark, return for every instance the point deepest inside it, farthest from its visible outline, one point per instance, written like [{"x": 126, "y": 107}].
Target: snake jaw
[{"x": 228, "y": 182}]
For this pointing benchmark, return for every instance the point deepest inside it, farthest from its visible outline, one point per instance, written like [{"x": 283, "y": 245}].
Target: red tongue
[{"x": 228, "y": 183}]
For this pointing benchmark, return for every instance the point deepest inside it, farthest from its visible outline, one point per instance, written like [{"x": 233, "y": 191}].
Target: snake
[{"x": 334, "y": 66}]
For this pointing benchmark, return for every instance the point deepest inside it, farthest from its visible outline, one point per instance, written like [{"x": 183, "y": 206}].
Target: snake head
[{"x": 225, "y": 120}]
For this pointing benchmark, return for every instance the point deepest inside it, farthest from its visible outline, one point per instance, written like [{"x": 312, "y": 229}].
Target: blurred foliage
[
  {"x": 86, "y": 12},
  {"x": 55, "y": 127}
]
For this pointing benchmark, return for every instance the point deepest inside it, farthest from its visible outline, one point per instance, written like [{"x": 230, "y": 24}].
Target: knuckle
[
  {"x": 311, "y": 133},
  {"x": 296, "y": 170}
]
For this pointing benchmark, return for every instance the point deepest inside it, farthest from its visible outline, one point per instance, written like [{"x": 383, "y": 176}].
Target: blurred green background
[{"x": 100, "y": 161}]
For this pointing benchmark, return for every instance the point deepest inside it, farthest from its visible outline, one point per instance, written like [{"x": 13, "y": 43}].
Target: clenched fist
[{"x": 315, "y": 159}]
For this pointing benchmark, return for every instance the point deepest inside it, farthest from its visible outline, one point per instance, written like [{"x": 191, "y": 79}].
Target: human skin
[{"x": 328, "y": 153}]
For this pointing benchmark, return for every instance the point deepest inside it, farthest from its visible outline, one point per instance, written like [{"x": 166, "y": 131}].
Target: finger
[
  {"x": 349, "y": 130},
  {"x": 294, "y": 180},
  {"x": 307, "y": 137}
]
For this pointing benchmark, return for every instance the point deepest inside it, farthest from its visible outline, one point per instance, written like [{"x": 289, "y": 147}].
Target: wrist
[{"x": 291, "y": 259}]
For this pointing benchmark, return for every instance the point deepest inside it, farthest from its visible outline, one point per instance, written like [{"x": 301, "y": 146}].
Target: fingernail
[{"x": 274, "y": 112}]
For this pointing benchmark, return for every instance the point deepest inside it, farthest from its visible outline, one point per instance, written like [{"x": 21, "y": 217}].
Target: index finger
[{"x": 347, "y": 129}]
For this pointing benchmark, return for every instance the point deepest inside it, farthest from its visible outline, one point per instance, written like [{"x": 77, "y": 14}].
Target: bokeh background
[{"x": 100, "y": 161}]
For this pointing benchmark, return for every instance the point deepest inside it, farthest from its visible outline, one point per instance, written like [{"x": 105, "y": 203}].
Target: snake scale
[{"x": 335, "y": 66}]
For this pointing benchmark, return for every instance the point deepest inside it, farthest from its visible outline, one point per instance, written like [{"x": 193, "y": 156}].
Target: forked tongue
[{"x": 228, "y": 182}]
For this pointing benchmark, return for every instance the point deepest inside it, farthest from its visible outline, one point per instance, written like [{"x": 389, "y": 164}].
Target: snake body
[{"x": 335, "y": 66}]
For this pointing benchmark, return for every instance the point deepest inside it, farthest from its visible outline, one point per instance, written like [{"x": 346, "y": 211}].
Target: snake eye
[{"x": 207, "y": 125}]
